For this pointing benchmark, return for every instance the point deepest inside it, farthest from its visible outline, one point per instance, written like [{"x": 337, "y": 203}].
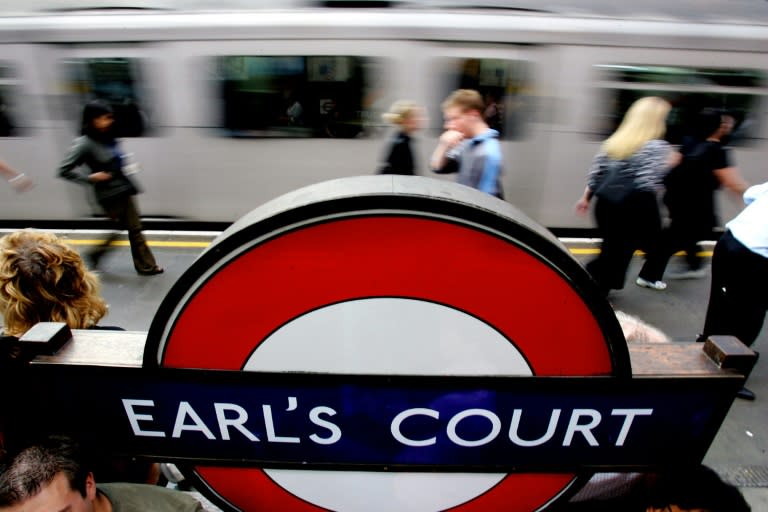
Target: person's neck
[
  {"x": 101, "y": 503},
  {"x": 478, "y": 129}
]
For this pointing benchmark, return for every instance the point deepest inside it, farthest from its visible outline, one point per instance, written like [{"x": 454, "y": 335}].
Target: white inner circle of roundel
[{"x": 387, "y": 336}]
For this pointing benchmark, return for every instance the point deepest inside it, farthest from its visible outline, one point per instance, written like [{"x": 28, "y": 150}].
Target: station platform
[{"x": 739, "y": 452}]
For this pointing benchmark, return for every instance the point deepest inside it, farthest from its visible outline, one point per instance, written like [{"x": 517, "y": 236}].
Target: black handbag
[{"x": 617, "y": 184}]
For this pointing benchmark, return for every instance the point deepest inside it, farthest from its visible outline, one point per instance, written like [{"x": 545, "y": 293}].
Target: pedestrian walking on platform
[
  {"x": 98, "y": 150},
  {"x": 408, "y": 117},
  {"x": 690, "y": 196},
  {"x": 625, "y": 176},
  {"x": 468, "y": 145}
]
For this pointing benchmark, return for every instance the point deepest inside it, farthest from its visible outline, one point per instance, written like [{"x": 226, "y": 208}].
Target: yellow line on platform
[
  {"x": 596, "y": 250},
  {"x": 153, "y": 243},
  {"x": 202, "y": 245}
]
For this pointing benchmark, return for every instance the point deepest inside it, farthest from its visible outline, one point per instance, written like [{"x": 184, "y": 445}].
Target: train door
[
  {"x": 515, "y": 83},
  {"x": 130, "y": 79}
]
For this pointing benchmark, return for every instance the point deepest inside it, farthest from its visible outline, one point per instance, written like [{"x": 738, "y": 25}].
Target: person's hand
[
  {"x": 451, "y": 138},
  {"x": 100, "y": 176},
  {"x": 582, "y": 206},
  {"x": 21, "y": 183}
]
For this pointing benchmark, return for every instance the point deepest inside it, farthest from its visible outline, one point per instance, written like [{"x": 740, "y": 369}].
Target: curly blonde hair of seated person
[{"x": 42, "y": 279}]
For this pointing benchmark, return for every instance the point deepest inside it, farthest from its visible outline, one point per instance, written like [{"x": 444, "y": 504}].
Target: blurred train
[{"x": 228, "y": 104}]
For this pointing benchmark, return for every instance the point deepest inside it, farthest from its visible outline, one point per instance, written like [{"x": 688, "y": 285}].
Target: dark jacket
[
  {"x": 400, "y": 158},
  {"x": 97, "y": 157}
]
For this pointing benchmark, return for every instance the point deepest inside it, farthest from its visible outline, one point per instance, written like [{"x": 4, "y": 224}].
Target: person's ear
[{"x": 90, "y": 487}]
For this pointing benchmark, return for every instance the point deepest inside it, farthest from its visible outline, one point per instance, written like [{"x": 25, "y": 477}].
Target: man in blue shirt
[{"x": 468, "y": 146}]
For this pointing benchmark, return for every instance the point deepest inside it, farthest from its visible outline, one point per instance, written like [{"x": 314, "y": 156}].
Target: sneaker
[
  {"x": 654, "y": 285},
  {"x": 688, "y": 274}
]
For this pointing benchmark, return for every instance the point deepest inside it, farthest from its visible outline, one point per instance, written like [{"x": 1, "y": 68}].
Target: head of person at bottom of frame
[{"x": 53, "y": 475}]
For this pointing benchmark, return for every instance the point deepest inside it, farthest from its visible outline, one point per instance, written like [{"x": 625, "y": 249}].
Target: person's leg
[
  {"x": 608, "y": 269},
  {"x": 692, "y": 249},
  {"x": 658, "y": 256},
  {"x": 644, "y": 226},
  {"x": 143, "y": 259},
  {"x": 690, "y": 235},
  {"x": 736, "y": 305},
  {"x": 112, "y": 211}
]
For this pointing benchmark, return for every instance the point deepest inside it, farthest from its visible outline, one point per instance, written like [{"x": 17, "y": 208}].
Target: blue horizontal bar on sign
[{"x": 377, "y": 423}]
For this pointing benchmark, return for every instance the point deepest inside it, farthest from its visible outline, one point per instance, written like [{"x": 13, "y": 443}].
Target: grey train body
[{"x": 228, "y": 107}]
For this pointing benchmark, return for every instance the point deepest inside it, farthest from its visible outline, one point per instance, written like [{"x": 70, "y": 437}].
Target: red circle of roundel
[{"x": 431, "y": 259}]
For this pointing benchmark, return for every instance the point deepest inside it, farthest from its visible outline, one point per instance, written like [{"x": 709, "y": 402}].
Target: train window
[
  {"x": 296, "y": 96},
  {"x": 688, "y": 89},
  {"x": 116, "y": 80},
  {"x": 9, "y": 118},
  {"x": 505, "y": 87}
]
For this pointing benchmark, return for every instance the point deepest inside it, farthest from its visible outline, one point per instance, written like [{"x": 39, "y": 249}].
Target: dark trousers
[
  {"x": 125, "y": 216},
  {"x": 625, "y": 227},
  {"x": 737, "y": 300},
  {"x": 680, "y": 235}
]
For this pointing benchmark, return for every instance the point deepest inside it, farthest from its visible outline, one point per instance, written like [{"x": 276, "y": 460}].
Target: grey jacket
[{"x": 97, "y": 157}]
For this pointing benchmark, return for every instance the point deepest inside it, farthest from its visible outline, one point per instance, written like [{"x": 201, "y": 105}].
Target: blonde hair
[
  {"x": 645, "y": 120},
  {"x": 44, "y": 280},
  {"x": 465, "y": 99},
  {"x": 400, "y": 112}
]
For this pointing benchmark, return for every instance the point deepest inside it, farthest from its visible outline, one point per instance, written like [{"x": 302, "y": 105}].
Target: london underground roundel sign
[{"x": 386, "y": 275}]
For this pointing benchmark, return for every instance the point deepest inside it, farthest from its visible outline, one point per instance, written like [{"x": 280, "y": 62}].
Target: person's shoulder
[
  {"x": 656, "y": 145},
  {"x": 488, "y": 135},
  {"x": 83, "y": 143},
  {"x": 129, "y": 497},
  {"x": 402, "y": 138}
]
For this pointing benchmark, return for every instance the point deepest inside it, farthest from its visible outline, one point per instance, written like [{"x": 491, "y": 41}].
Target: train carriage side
[{"x": 227, "y": 111}]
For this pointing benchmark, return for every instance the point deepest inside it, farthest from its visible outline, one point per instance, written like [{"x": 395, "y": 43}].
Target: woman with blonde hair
[
  {"x": 632, "y": 161},
  {"x": 42, "y": 279},
  {"x": 408, "y": 117}
]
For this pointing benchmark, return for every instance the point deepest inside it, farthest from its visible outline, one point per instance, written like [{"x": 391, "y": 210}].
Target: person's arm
[
  {"x": 594, "y": 177},
  {"x": 73, "y": 160},
  {"x": 18, "y": 180},
  {"x": 730, "y": 178},
  {"x": 582, "y": 205},
  {"x": 441, "y": 163}
]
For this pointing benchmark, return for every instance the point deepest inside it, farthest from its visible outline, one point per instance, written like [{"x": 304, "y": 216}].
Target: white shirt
[{"x": 750, "y": 227}]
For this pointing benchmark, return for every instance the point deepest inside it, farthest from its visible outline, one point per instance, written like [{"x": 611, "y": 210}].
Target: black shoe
[
  {"x": 151, "y": 272},
  {"x": 745, "y": 394}
]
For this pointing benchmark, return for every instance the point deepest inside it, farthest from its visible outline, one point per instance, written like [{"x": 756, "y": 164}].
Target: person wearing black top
[
  {"x": 689, "y": 196},
  {"x": 408, "y": 117}
]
